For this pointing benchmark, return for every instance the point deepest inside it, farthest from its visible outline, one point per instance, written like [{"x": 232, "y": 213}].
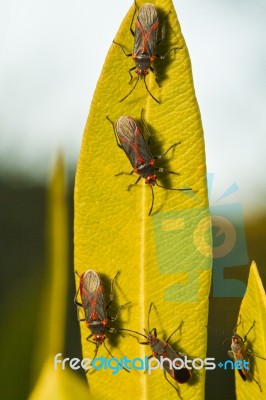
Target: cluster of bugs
[
  {"x": 130, "y": 138},
  {"x": 95, "y": 309},
  {"x": 128, "y": 134},
  {"x": 96, "y": 317}
]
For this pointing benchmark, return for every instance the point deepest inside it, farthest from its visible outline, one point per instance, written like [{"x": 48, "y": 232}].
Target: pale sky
[{"x": 52, "y": 52}]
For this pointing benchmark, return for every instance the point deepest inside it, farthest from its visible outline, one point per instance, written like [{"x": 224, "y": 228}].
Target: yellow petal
[
  {"x": 164, "y": 258},
  {"x": 253, "y": 308}
]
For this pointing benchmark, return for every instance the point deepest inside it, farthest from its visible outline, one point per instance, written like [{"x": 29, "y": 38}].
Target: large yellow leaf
[
  {"x": 253, "y": 308},
  {"x": 164, "y": 258}
]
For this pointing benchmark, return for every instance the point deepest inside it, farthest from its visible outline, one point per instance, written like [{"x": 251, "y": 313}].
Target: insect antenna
[
  {"x": 152, "y": 200},
  {"x": 130, "y": 91},
  {"x": 108, "y": 351},
  {"x": 95, "y": 353},
  {"x": 227, "y": 339},
  {"x": 130, "y": 330},
  {"x": 157, "y": 101},
  {"x": 181, "y": 189},
  {"x": 221, "y": 333},
  {"x": 256, "y": 355},
  {"x": 110, "y": 354},
  {"x": 149, "y": 316}
]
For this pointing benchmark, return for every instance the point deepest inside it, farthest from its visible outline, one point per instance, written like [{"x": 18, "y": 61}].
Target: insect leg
[
  {"x": 79, "y": 319},
  {"x": 123, "y": 49},
  {"x": 168, "y": 380},
  {"x": 164, "y": 154},
  {"x": 144, "y": 124},
  {"x": 133, "y": 184},
  {"x": 165, "y": 170},
  {"x": 254, "y": 355},
  {"x": 179, "y": 327},
  {"x": 163, "y": 29},
  {"x": 95, "y": 352},
  {"x": 111, "y": 300},
  {"x": 117, "y": 141},
  {"x": 75, "y": 299},
  {"x": 76, "y": 295},
  {"x": 252, "y": 326},
  {"x": 167, "y": 54},
  {"x": 78, "y": 304},
  {"x": 156, "y": 75},
  {"x": 118, "y": 311},
  {"x": 131, "y": 29},
  {"x": 131, "y": 76},
  {"x": 148, "y": 359},
  {"x": 88, "y": 339},
  {"x": 112, "y": 291},
  {"x": 125, "y": 173},
  {"x": 252, "y": 378}
]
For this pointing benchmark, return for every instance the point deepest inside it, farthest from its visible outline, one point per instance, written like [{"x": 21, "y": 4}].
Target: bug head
[
  {"x": 99, "y": 338},
  {"x": 141, "y": 72},
  {"x": 237, "y": 343},
  {"x": 236, "y": 339},
  {"x": 150, "y": 180},
  {"x": 143, "y": 63},
  {"x": 152, "y": 336}
]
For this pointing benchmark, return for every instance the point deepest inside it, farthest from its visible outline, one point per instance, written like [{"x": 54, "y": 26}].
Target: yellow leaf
[
  {"x": 164, "y": 258},
  {"x": 58, "y": 384},
  {"x": 51, "y": 328},
  {"x": 57, "y": 258},
  {"x": 54, "y": 383},
  {"x": 253, "y": 308}
]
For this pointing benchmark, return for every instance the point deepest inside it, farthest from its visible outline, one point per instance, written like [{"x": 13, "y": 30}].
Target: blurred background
[{"x": 51, "y": 56}]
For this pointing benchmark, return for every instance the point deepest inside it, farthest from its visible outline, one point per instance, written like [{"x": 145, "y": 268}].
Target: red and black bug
[
  {"x": 145, "y": 42},
  {"x": 95, "y": 307},
  {"x": 129, "y": 138},
  {"x": 163, "y": 349},
  {"x": 239, "y": 352}
]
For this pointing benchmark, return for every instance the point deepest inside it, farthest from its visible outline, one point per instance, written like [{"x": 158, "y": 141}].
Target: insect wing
[
  {"x": 238, "y": 353},
  {"x": 180, "y": 374},
  {"x": 133, "y": 142},
  {"x": 146, "y": 30},
  {"x": 92, "y": 297}
]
